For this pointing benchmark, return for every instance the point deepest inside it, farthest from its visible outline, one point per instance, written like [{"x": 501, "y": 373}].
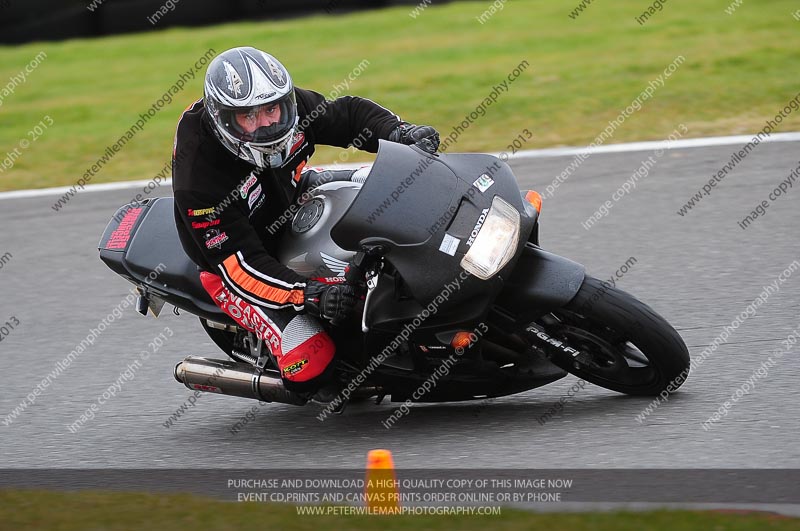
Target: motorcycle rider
[{"x": 239, "y": 157}]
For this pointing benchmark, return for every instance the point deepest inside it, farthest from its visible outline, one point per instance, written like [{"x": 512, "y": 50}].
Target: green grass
[
  {"x": 739, "y": 70},
  {"x": 89, "y": 511}
]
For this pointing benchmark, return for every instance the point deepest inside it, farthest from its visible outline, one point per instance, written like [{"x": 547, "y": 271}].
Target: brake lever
[{"x": 363, "y": 269}]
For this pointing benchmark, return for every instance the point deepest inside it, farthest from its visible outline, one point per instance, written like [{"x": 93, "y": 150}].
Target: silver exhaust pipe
[{"x": 233, "y": 378}]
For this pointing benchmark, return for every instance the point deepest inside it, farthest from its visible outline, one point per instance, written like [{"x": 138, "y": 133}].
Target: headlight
[{"x": 496, "y": 241}]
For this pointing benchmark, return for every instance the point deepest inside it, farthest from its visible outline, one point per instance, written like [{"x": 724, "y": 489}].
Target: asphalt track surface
[{"x": 699, "y": 271}]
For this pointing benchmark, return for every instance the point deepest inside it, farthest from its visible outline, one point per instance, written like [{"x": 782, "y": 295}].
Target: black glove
[
  {"x": 423, "y": 136},
  {"x": 334, "y": 302}
]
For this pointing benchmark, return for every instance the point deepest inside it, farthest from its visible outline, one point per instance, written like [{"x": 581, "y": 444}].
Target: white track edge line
[{"x": 527, "y": 154}]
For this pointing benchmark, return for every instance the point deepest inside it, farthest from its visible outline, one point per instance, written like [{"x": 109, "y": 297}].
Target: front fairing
[{"x": 422, "y": 210}]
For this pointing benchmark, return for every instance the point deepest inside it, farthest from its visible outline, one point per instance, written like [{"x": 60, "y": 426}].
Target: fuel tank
[{"x": 307, "y": 247}]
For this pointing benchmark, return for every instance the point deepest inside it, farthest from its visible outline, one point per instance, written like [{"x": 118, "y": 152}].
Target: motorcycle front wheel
[{"x": 624, "y": 345}]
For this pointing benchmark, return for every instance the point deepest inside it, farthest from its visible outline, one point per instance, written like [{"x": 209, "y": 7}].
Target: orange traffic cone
[{"x": 381, "y": 488}]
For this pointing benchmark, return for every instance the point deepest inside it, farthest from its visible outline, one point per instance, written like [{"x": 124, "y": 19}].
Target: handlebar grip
[{"x": 354, "y": 275}]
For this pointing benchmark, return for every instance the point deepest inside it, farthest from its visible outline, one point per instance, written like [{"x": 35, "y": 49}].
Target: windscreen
[{"x": 402, "y": 201}]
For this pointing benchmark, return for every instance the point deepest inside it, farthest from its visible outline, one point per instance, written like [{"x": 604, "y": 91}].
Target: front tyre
[{"x": 624, "y": 345}]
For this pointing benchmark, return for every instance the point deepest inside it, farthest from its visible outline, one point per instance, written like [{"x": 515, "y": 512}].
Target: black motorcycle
[{"x": 454, "y": 284}]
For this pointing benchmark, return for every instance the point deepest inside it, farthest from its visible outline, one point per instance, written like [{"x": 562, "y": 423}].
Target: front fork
[{"x": 555, "y": 348}]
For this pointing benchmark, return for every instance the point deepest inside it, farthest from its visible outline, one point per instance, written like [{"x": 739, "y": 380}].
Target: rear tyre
[{"x": 625, "y": 346}]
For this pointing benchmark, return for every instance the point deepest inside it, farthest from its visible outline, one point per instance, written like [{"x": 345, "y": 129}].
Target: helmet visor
[{"x": 262, "y": 125}]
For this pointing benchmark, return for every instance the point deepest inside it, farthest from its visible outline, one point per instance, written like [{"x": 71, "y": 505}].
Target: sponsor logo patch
[
  {"x": 215, "y": 239},
  {"x": 555, "y": 342},
  {"x": 246, "y": 315},
  {"x": 206, "y": 388},
  {"x": 205, "y": 224},
  {"x": 477, "y": 227},
  {"x": 254, "y": 197},
  {"x": 334, "y": 264},
  {"x": 331, "y": 280},
  {"x": 196, "y": 212},
  {"x": 297, "y": 141},
  {"x": 248, "y": 184},
  {"x": 295, "y": 367},
  {"x": 256, "y": 207},
  {"x": 119, "y": 238},
  {"x": 483, "y": 183},
  {"x": 449, "y": 244}
]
